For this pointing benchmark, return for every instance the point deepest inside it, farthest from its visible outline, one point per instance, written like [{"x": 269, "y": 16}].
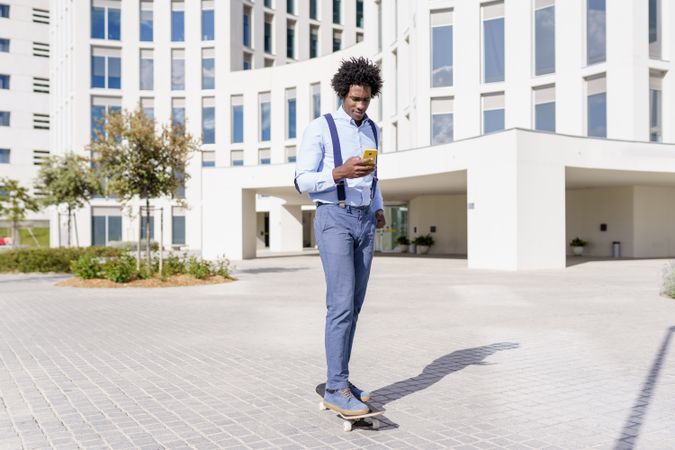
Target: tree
[
  {"x": 68, "y": 180},
  {"x": 15, "y": 202},
  {"x": 138, "y": 161}
]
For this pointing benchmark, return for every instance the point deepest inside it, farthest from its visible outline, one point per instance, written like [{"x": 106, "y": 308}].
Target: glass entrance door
[{"x": 397, "y": 225}]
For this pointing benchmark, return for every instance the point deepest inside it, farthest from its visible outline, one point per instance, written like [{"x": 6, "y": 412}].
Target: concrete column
[
  {"x": 516, "y": 216},
  {"x": 229, "y": 223},
  {"x": 286, "y": 228}
]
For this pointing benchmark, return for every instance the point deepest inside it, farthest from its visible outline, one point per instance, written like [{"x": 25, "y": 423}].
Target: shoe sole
[{"x": 345, "y": 412}]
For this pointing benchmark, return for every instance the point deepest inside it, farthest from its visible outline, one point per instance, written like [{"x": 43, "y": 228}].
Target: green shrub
[
  {"x": 86, "y": 267},
  {"x": 49, "y": 259},
  {"x": 221, "y": 266},
  {"x": 668, "y": 287},
  {"x": 120, "y": 269},
  {"x": 403, "y": 240},
  {"x": 199, "y": 269},
  {"x": 425, "y": 239},
  {"x": 174, "y": 265},
  {"x": 133, "y": 245},
  {"x": 144, "y": 272}
]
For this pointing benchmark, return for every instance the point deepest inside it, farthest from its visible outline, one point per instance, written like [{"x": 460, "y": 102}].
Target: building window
[
  {"x": 316, "y": 100},
  {"x": 596, "y": 112},
  {"x": 100, "y": 106},
  {"x": 177, "y": 21},
  {"x": 291, "y": 153},
  {"x": 208, "y": 21},
  {"x": 177, "y": 225},
  {"x": 337, "y": 40},
  {"x": 442, "y": 120},
  {"x": 596, "y": 31},
  {"x": 177, "y": 70},
  {"x": 337, "y": 13},
  {"x": 314, "y": 9},
  {"x": 544, "y": 31},
  {"x": 147, "y": 70},
  {"x": 148, "y": 106},
  {"x": 246, "y": 62},
  {"x": 441, "y": 48},
  {"x": 313, "y": 41},
  {"x": 40, "y": 121},
  {"x": 178, "y": 112},
  {"x": 4, "y": 45},
  {"x": 4, "y": 81},
  {"x": 290, "y": 6},
  {"x": 291, "y": 116},
  {"x": 4, "y": 156},
  {"x": 208, "y": 159},
  {"x": 493, "y": 42},
  {"x": 146, "y": 22},
  {"x": 264, "y": 156},
  {"x": 144, "y": 220},
  {"x": 106, "y": 225},
  {"x": 267, "y": 38},
  {"x": 656, "y": 107},
  {"x": 105, "y": 20},
  {"x": 4, "y": 118},
  {"x": 106, "y": 68},
  {"x": 237, "y": 102},
  {"x": 268, "y": 4},
  {"x": 208, "y": 69},
  {"x": 493, "y": 112},
  {"x": 246, "y": 26},
  {"x": 209, "y": 120},
  {"x": 237, "y": 158},
  {"x": 265, "y": 121},
  {"x": 4, "y": 11},
  {"x": 655, "y": 29},
  {"x": 290, "y": 40},
  {"x": 544, "y": 108},
  {"x": 359, "y": 13}
]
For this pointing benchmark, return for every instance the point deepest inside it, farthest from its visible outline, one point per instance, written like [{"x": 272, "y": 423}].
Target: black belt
[{"x": 364, "y": 207}]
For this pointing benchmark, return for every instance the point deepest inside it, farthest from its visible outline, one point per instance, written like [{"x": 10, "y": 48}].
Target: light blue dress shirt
[{"x": 314, "y": 161}]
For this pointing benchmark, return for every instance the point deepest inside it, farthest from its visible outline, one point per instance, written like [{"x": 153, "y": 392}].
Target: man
[{"x": 349, "y": 208}]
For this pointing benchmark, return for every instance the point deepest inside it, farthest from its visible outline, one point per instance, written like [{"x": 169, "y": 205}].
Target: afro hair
[{"x": 357, "y": 71}]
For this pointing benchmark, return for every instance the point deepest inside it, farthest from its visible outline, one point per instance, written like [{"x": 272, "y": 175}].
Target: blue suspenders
[{"x": 337, "y": 158}]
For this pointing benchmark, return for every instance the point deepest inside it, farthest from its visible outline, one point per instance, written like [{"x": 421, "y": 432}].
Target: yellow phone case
[{"x": 370, "y": 153}]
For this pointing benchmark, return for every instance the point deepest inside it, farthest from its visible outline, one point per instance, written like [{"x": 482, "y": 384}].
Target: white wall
[
  {"x": 588, "y": 208},
  {"x": 654, "y": 226},
  {"x": 448, "y": 214}
]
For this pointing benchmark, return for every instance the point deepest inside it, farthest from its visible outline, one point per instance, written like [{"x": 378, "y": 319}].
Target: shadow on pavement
[
  {"x": 433, "y": 373},
  {"x": 271, "y": 270},
  {"x": 631, "y": 429}
]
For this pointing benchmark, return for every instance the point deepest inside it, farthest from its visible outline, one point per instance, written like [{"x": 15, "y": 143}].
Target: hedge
[{"x": 49, "y": 259}]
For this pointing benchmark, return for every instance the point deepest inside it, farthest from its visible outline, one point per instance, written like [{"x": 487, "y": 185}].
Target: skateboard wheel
[
  {"x": 375, "y": 423},
  {"x": 322, "y": 407},
  {"x": 347, "y": 425}
]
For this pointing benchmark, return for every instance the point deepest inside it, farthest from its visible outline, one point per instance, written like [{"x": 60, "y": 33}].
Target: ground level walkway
[{"x": 574, "y": 358}]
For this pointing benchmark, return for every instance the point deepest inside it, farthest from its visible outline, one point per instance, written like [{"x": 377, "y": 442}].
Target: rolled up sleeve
[{"x": 311, "y": 174}]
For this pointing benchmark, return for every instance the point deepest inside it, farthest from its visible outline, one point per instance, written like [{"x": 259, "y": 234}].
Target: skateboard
[{"x": 368, "y": 420}]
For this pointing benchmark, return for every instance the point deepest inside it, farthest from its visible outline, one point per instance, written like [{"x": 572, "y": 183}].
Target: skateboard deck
[{"x": 367, "y": 420}]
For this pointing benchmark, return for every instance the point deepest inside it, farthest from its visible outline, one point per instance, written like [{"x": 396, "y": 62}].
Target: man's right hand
[{"x": 354, "y": 167}]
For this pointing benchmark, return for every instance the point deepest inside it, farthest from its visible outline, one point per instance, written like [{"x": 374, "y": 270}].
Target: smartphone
[{"x": 371, "y": 154}]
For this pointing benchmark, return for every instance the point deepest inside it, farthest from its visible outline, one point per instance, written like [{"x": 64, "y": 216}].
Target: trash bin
[{"x": 616, "y": 249}]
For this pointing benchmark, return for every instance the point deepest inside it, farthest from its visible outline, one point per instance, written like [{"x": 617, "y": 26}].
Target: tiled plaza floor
[{"x": 571, "y": 359}]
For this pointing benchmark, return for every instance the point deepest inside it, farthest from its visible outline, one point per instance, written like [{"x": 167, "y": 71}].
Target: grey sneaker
[
  {"x": 342, "y": 401},
  {"x": 358, "y": 393}
]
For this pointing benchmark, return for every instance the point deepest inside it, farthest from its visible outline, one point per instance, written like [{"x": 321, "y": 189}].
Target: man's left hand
[{"x": 379, "y": 217}]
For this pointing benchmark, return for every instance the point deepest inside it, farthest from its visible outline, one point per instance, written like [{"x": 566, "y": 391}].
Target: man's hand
[
  {"x": 354, "y": 167},
  {"x": 379, "y": 217}
]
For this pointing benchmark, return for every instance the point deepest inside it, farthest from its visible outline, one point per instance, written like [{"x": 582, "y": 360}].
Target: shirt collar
[{"x": 342, "y": 114}]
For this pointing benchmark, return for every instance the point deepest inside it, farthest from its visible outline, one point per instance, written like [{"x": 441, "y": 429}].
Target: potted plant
[
  {"x": 423, "y": 243},
  {"x": 403, "y": 243},
  {"x": 578, "y": 246}
]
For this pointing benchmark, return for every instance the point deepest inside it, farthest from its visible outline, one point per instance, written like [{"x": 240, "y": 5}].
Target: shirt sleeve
[
  {"x": 378, "y": 203},
  {"x": 311, "y": 175}
]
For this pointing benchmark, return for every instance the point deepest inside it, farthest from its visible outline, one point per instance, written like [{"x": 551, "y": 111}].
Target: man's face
[{"x": 356, "y": 102}]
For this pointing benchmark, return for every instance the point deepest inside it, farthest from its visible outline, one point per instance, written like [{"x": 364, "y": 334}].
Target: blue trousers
[{"x": 345, "y": 238}]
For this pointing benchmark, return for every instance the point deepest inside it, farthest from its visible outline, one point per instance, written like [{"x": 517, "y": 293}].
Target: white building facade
[
  {"x": 508, "y": 127},
  {"x": 24, "y": 93}
]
